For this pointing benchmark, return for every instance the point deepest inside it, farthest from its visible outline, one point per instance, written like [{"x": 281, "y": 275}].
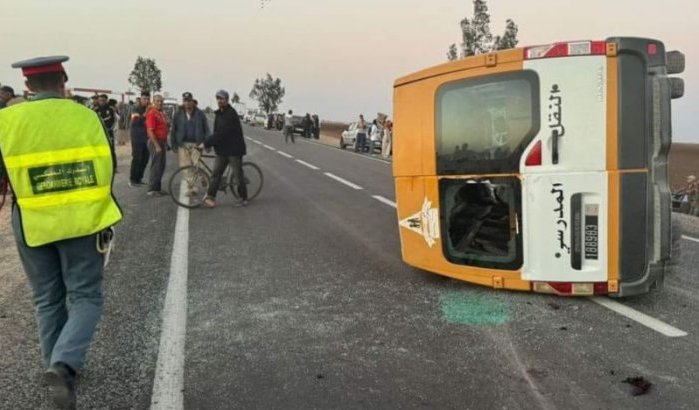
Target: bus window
[
  {"x": 481, "y": 222},
  {"x": 483, "y": 125}
]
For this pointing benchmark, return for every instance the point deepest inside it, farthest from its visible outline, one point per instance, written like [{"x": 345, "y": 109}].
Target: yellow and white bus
[{"x": 540, "y": 168}]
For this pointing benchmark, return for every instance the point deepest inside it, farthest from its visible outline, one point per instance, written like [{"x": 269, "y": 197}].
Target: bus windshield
[{"x": 483, "y": 125}]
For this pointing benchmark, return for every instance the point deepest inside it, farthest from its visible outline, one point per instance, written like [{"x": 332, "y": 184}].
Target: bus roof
[{"x": 505, "y": 56}]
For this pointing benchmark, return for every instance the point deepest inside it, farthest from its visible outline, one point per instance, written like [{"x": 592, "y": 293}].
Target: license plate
[{"x": 591, "y": 232}]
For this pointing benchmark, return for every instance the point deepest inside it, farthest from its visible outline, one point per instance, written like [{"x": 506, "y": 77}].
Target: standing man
[
  {"x": 316, "y": 126},
  {"x": 60, "y": 167},
  {"x": 6, "y": 94},
  {"x": 289, "y": 127},
  {"x": 108, "y": 116},
  {"x": 189, "y": 129},
  {"x": 157, "y": 129},
  {"x": 229, "y": 145},
  {"x": 361, "y": 134},
  {"x": 387, "y": 138},
  {"x": 139, "y": 140}
]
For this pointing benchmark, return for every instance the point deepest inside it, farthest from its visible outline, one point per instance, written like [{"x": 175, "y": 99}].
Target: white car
[
  {"x": 349, "y": 137},
  {"x": 259, "y": 119}
]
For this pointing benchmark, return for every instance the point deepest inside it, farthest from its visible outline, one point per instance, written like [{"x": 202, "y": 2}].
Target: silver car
[{"x": 349, "y": 136}]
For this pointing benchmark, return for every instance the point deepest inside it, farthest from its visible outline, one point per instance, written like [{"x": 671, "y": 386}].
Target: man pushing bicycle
[{"x": 229, "y": 146}]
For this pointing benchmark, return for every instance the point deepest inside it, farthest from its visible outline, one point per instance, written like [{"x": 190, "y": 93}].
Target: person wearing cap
[
  {"x": 229, "y": 145},
  {"x": 108, "y": 116},
  {"x": 60, "y": 167},
  {"x": 6, "y": 94},
  {"x": 139, "y": 141},
  {"x": 157, "y": 129},
  {"x": 189, "y": 128}
]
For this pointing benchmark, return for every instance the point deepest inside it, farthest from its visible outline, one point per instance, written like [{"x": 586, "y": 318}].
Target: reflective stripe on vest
[{"x": 60, "y": 167}]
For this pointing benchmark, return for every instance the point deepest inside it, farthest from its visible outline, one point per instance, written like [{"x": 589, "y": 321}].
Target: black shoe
[{"x": 61, "y": 380}]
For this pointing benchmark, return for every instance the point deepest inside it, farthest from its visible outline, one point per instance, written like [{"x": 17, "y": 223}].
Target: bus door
[{"x": 564, "y": 178}]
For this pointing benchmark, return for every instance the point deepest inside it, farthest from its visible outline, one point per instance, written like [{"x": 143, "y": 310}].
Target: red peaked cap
[
  {"x": 42, "y": 65},
  {"x": 51, "y": 68}
]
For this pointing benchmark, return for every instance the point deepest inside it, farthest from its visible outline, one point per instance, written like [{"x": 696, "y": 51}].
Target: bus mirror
[
  {"x": 674, "y": 62},
  {"x": 676, "y": 87}
]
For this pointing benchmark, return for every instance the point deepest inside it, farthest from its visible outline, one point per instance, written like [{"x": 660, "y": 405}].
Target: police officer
[{"x": 57, "y": 157}]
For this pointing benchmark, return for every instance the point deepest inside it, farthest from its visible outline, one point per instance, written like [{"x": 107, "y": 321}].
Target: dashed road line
[
  {"x": 249, "y": 139},
  {"x": 168, "y": 385},
  {"x": 284, "y": 154},
  {"x": 311, "y": 166},
  {"x": 384, "y": 200},
  {"x": 648, "y": 321},
  {"x": 343, "y": 181},
  {"x": 257, "y": 142},
  {"x": 269, "y": 147},
  {"x": 689, "y": 238}
]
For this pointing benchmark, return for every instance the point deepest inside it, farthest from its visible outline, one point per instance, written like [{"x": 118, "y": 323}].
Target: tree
[
  {"x": 146, "y": 75},
  {"x": 236, "y": 98},
  {"x": 268, "y": 92},
  {"x": 452, "y": 54},
  {"x": 476, "y": 36},
  {"x": 509, "y": 39}
]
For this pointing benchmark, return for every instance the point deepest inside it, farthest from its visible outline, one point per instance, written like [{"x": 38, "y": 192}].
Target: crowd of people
[
  {"x": 57, "y": 160},
  {"x": 377, "y": 134}
]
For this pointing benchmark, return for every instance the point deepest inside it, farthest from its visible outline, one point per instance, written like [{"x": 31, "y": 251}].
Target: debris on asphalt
[
  {"x": 640, "y": 385},
  {"x": 554, "y": 306},
  {"x": 537, "y": 373},
  {"x": 563, "y": 328},
  {"x": 320, "y": 376}
]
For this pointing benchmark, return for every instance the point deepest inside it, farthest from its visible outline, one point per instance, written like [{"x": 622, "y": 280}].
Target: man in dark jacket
[
  {"x": 229, "y": 145},
  {"x": 189, "y": 128},
  {"x": 139, "y": 141},
  {"x": 108, "y": 116}
]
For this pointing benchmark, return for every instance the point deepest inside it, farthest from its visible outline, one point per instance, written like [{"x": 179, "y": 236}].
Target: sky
[{"x": 337, "y": 58}]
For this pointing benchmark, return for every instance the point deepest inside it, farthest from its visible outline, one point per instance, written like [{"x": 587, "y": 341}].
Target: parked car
[
  {"x": 297, "y": 121},
  {"x": 259, "y": 119},
  {"x": 249, "y": 115},
  {"x": 349, "y": 138}
]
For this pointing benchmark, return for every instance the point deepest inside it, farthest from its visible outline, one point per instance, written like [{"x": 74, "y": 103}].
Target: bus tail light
[
  {"x": 573, "y": 48},
  {"x": 534, "y": 157},
  {"x": 571, "y": 288}
]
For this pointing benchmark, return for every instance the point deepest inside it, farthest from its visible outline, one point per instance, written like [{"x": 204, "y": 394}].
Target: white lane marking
[
  {"x": 311, "y": 166},
  {"x": 269, "y": 147},
  {"x": 168, "y": 385},
  {"x": 249, "y": 139},
  {"x": 689, "y": 238},
  {"x": 257, "y": 142},
  {"x": 343, "y": 181},
  {"x": 284, "y": 154},
  {"x": 642, "y": 318},
  {"x": 384, "y": 200},
  {"x": 348, "y": 151}
]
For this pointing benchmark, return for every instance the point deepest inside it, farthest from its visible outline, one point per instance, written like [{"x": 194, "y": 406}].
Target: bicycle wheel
[
  {"x": 253, "y": 180},
  {"x": 188, "y": 186}
]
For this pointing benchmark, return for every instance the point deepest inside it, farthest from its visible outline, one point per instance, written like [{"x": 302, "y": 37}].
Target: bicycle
[{"x": 188, "y": 185}]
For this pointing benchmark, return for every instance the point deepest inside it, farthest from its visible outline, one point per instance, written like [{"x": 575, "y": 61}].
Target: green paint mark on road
[{"x": 467, "y": 309}]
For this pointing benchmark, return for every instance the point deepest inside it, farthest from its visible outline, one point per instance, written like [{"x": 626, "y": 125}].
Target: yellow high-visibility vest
[{"x": 60, "y": 167}]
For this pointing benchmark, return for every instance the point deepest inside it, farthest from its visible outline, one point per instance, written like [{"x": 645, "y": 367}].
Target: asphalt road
[{"x": 301, "y": 301}]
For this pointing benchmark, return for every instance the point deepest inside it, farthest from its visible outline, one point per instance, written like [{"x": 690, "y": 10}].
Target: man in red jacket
[{"x": 157, "y": 128}]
